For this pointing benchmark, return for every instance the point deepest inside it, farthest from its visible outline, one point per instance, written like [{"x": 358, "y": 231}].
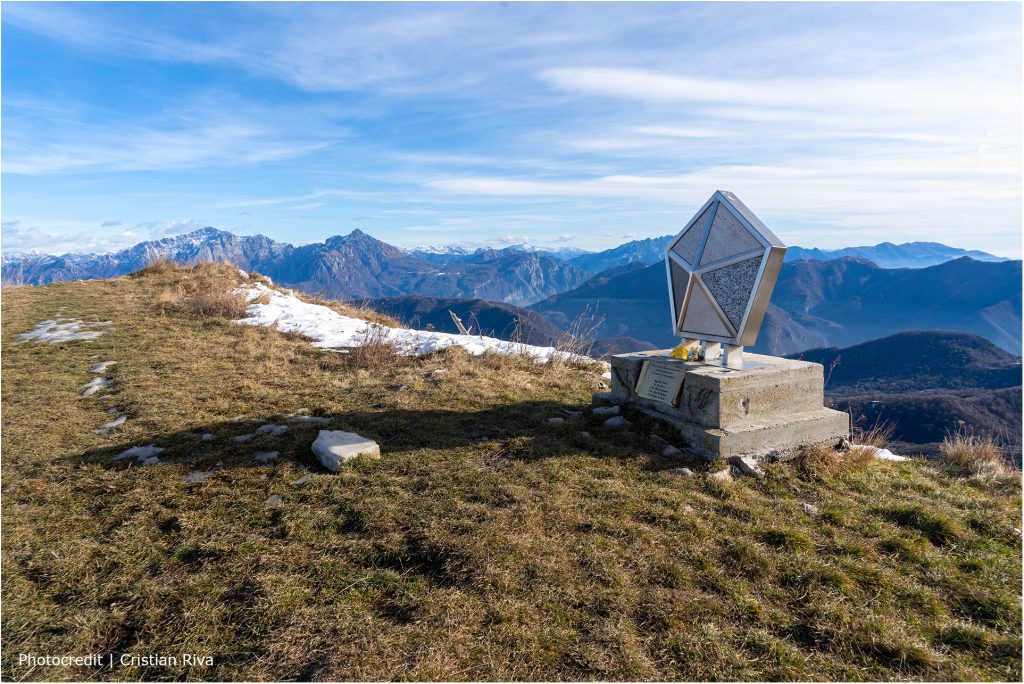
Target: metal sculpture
[{"x": 721, "y": 269}]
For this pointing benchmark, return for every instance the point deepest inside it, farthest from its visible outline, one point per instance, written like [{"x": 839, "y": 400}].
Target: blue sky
[{"x": 496, "y": 123}]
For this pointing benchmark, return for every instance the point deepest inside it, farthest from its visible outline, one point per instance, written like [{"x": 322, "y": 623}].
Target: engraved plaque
[{"x": 661, "y": 380}]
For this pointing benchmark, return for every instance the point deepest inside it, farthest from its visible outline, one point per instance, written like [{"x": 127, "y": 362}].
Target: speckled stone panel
[
  {"x": 732, "y": 286},
  {"x": 689, "y": 243}
]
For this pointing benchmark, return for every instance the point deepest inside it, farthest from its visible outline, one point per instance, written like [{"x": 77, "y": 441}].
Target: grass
[
  {"x": 484, "y": 544},
  {"x": 975, "y": 456}
]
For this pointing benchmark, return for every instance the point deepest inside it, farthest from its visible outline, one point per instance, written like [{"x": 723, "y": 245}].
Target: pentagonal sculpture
[{"x": 722, "y": 268}]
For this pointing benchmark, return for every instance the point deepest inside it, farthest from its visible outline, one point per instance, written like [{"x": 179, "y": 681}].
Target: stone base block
[{"x": 769, "y": 405}]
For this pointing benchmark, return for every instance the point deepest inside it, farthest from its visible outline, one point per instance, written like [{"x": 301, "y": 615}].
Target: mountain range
[
  {"x": 823, "y": 303},
  {"x": 817, "y": 303},
  {"x": 342, "y": 267}
]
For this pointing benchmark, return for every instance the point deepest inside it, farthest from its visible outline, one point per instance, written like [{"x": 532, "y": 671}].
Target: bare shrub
[
  {"x": 156, "y": 266},
  {"x": 965, "y": 454},
  {"x": 577, "y": 340},
  {"x": 878, "y": 435},
  {"x": 376, "y": 350}
]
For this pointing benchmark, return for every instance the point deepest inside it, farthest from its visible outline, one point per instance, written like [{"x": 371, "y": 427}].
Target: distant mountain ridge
[
  {"x": 824, "y": 303},
  {"x": 343, "y": 267},
  {"x": 889, "y": 255}
]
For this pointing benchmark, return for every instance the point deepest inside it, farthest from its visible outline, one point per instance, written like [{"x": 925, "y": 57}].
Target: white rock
[
  {"x": 302, "y": 481},
  {"x": 317, "y": 420},
  {"x": 747, "y": 466},
  {"x": 556, "y": 420},
  {"x": 206, "y": 437},
  {"x": 572, "y": 415},
  {"x": 616, "y": 422},
  {"x": 141, "y": 453},
  {"x": 273, "y": 500},
  {"x": 243, "y": 438},
  {"x": 334, "y": 447},
  {"x": 809, "y": 509},
  {"x": 607, "y": 410},
  {"x": 603, "y": 398},
  {"x": 585, "y": 435},
  {"x": 272, "y": 430},
  {"x": 301, "y": 411},
  {"x": 682, "y": 472},
  {"x": 671, "y": 452},
  {"x": 101, "y": 367},
  {"x": 265, "y": 456},
  {"x": 237, "y": 419}
]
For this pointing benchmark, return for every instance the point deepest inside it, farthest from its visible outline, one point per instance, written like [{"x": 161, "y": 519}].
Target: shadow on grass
[{"x": 520, "y": 431}]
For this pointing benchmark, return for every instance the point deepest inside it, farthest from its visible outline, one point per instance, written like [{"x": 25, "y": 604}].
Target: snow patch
[
  {"x": 141, "y": 453},
  {"x": 65, "y": 330},
  {"x": 94, "y": 386},
  {"x": 883, "y": 454},
  {"x": 331, "y": 330},
  {"x": 102, "y": 366}
]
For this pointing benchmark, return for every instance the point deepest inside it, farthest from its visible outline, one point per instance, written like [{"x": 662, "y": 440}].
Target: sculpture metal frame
[{"x": 732, "y": 247}]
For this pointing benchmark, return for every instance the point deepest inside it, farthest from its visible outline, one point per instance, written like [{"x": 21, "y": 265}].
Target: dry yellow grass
[
  {"x": 968, "y": 455},
  {"x": 485, "y": 544}
]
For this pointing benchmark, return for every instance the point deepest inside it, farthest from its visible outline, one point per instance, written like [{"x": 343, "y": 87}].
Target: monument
[{"x": 722, "y": 268}]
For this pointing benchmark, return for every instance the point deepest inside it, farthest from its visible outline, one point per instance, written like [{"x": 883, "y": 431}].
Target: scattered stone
[
  {"x": 585, "y": 435},
  {"x": 302, "y": 481},
  {"x": 335, "y": 447},
  {"x": 671, "y": 452},
  {"x": 809, "y": 509},
  {"x": 398, "y": 388},
  {"x": 94, "y": 386},
  {"x": 139, "y": 452},
  {"x": 218, "y": 464},
  {"x": 317, "y": 420},
  {"x": 573, "y": 415},
  {"x": 747, "y": 466},
  {"x": 607, "y": 410},
  {"x": 265, "y": 456},
  {"x": 724, "y": 475},
  {"x": 682, "y": 472},
  {"x": 114, "y": 409},
  {"x": 300, "y": 412},
  {"x": 197, "y": 475},
  {"x": 273, "y": 500},
  {"x": 603, "y": 398},
  {"x": 243, "y": 438},
  {"x": 687, "y": 508},
  {"x": 556, "y": 420},
  {"x": 272, "y": 430},
  {"x": 237, "y": 419},
  {"x": 206, "y": 437},
  {"x": 102, "y": 366},
  {"x": 67, "y": 331},
  {"x": 617, "y": 422},
  {"x": 439, "y": 373}
]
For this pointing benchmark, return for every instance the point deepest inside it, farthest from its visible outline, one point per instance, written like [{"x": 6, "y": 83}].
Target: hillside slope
[{"x": 486, "y": 543}]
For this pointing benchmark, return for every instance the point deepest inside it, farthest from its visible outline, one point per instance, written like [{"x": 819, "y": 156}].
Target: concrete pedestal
[{"x": 769, "y": 405}]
